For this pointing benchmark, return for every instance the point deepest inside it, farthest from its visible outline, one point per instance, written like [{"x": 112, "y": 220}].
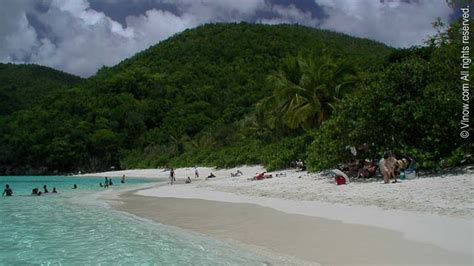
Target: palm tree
[{"x": 305, "y": 91}]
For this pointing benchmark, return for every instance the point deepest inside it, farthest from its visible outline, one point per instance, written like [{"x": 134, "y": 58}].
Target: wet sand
[{"x": 324, "y": 241}]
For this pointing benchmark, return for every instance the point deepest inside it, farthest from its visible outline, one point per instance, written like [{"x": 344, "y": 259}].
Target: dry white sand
[
  {"x": 318, "y": 240},
  {"x": 450, "y": 195},
  {"x": 434, "y": 213}
]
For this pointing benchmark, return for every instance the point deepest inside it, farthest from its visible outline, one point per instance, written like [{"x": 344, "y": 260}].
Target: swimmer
[{"x": 7, "y": 191}]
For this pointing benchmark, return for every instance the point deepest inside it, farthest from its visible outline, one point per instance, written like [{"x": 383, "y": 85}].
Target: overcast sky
[{"x": 80, "y": 36}]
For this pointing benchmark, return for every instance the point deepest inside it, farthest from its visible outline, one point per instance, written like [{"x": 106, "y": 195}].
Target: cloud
[
  {"x": 397, "y": 23},
  {"x": 80, "y": 36},
  {"x": 17, "y": 36},
  {"x": 291, "y": 15},
  {"x": 79, "y": 39}
]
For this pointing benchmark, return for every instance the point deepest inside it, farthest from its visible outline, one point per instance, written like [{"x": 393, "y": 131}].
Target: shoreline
[
  {"x": 313, "y": 239},
  {"x": 288, "y": 214}
]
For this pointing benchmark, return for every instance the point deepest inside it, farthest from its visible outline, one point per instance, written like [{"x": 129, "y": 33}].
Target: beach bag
[
  {"x": 340, "y": 180},
  {"x": 410, "y": 174}
]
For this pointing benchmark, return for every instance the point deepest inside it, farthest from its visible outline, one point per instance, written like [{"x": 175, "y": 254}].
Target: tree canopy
[{"x": 230, "y": 94}]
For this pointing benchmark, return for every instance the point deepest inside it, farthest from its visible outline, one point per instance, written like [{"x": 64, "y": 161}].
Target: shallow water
[{"x": 73, "y": 227}]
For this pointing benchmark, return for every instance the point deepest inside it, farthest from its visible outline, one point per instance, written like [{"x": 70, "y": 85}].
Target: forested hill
[
  {"x": 187, "y": 93},
  {"x": 219, "y": 94},
  {"x": 24, "y": 85}
]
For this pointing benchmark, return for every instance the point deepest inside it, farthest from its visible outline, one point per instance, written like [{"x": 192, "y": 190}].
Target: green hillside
[
  {"x": 230, "y": 94},
  {"x": 24, "y": 85}
]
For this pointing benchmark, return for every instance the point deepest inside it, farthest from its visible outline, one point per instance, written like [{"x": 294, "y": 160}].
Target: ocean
[{"x": 74, "y": 227}]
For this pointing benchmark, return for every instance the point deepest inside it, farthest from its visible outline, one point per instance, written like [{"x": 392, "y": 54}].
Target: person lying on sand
[{"x": 262, "y": 176}]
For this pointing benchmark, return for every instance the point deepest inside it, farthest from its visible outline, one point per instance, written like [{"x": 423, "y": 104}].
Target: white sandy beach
[{"x": 428, "y": 220}]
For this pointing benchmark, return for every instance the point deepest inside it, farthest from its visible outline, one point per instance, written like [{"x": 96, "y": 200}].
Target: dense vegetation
[
  {"x": 230, "y": 94},
  {"x": 22, "y": 86}
]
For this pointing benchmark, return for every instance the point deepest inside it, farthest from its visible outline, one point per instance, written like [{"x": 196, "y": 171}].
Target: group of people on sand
[
  {"x": 172, "y": 175},
  {"x": 389, "y": 166},
  {"x": 37, "y": 192}
]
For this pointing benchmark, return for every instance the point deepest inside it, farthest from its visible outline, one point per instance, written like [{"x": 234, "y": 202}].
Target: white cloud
[
  {"x": 73, "y": 37},
  {"x": 17, "y": 36},
  {"x": 291, "y": 14},
  {"x": 80, "y": 40},
  {"x": 396, "y": 23}
]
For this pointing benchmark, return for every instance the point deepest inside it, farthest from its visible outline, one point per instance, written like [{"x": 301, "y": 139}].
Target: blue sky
[{"x": 80, "y": 36}]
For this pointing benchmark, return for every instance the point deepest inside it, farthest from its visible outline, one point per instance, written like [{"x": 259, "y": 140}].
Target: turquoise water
[{"x": 72, "y": 227}]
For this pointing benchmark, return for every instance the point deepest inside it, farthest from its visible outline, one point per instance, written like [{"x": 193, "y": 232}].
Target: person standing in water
[
  {"x": 45, "y": 187},
  {"x": 54, "y": 190},
  {"x": 74, "y": 187},
  {"x": 7, "y": 191},
  {"x": 123, "y": 179}
]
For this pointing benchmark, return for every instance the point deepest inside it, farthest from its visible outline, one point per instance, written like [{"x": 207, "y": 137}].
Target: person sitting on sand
[
  {"x": 54, "y": 190},
  {"x": 211, "y": 175},
  {"x": 401, "y": 165},
  {"x": 188, "y": 181},
  {"x": 368, "y": 169},
  {"x": 45, "y": 187},
  {"x": 74, "y": 187},
  {"x": 238, "y": 173},
  {"x": 7, "y": 191},
  {"x": 300, "y": 165}
]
